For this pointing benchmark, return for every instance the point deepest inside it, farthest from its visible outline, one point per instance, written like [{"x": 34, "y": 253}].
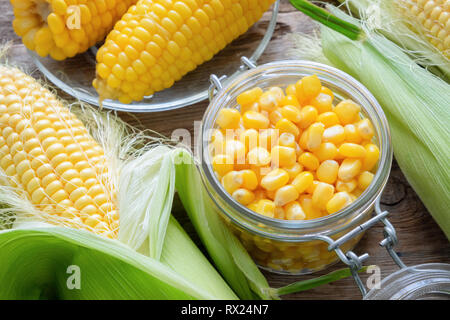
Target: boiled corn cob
[
  {"x": 433, "y": 16},
  {"x": 158, "y": 41},
  {"x": 48, "y": 156},
  {"x": 64, "y": 28}
]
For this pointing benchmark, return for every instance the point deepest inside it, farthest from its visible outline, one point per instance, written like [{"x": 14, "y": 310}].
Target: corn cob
[
  {"x": 433, "y": 17},
  {"x": 64, "y": 28},
  {"x": 48, "y": 156},
  {"x": 159, "y": 41}
]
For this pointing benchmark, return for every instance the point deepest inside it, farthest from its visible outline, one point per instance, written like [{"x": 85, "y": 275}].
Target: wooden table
[{"x": 421, "y": 240}]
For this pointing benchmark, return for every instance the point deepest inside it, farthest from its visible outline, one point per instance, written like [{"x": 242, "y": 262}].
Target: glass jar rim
[{"x": 366, "y": 199}]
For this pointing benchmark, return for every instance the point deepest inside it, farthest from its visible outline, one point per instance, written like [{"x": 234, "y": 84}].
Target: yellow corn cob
[
  {"x": 433, "y": 16},
  {"x": 159, "y": 41},
  {"x": 64, "y": 28},
  {"x": 47, "y": 154}
]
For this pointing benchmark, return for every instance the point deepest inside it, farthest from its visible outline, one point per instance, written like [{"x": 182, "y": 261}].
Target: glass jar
[{"x": 292, "y": 246}]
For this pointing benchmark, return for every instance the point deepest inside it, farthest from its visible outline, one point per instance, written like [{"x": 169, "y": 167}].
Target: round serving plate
[{"x": 74, "y": 76}]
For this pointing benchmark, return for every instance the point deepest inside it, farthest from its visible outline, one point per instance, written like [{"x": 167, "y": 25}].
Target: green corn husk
[
  {"x": 385, "y": 17},
  {"x": 35, "y": 261},
  {"x": 415, "y": 102}
]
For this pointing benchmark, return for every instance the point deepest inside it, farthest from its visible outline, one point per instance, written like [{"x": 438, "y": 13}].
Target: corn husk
[{"x": 415, "y": 102}]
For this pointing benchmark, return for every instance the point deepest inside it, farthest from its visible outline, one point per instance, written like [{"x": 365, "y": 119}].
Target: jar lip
[{"x": 367, "y": 198}]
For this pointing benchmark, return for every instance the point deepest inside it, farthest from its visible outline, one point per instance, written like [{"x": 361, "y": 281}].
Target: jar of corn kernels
[{"x": 281, "y": 221}]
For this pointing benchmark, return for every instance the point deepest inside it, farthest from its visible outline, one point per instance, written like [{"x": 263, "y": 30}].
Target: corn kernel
[
  {"x": 365, "y": 129},
  {"x": 243, "y": 196},
  {"x": 222, "y": 164},
  {"x": 236, "y": 150},
  {"x": 323, "y": 102},
  {"x": 294, "y": 211},
  {"x": 255, "y": 120},
  {"x": 275, "y": 116},
  {"x": 268, "y": 101},
  {"x": 249, "y": 96},
  {"x": 328, "y": 119},
  {"x": 290, "y": 99},
  {"x": 326, "y": 151},
  {"x": 309, "y": 115},
  {"x": 250, "y": 139},
  {"x": 328, "y": 171},
  {"x": 284, "y": 125},
  {"x": 347, "y": 111},
  {"x": 232, "y": 181},
  {"x": 291, "y": 113},
  {"x": 283, "y": 156},
  {"x": 310, "y": 86},
  {"x": 338, "y": 202},
  {"x": 352, "y": 134},
  {"x": 349, "y": 169},
  {"x": 334, "y": 134},
  {"x": 294, "y": 170},
  {"x": 310, "y": 211},
  {"x": 259, "y": 156},
  {"x": 371, "y": 158},
  {"x": 266, "y": 208},
  {"x": 268, "y": 138},
  {"x": 287, "y": 139},
  {"x": 352, "y": 150},
  {"x": 303, "y": 181},
  {"x": 315, "y": 133},
  {"x": 309, "y": 161},
  {"x": 285, "y": 195},
  {"x": 322, "y": 194},
  {"x": 250, "y": 180},
  {"x": 228, "y": 118},
  {"x": 275, "y": 179},
  {"x": 347, "y": 186},
  {"x": 365, "y": 179}
]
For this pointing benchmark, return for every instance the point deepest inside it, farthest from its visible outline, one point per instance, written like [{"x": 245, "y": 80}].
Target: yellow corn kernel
[
  {"x": 290, "y": 99},
  {"x": 268, "y": 138},
  {"x": 322, "y": 194},
  {"x": 346, "y": 186},
  {"x": 266, "y": 208},
  {"x": 291, "y": 90},
  {"x": 250, "y": 180},
  {"x": 312, "y": 187},
  {"x": 236, "y": 150},
  {"x": 352, "y": 134},
  {"x": 315, "y": 133},
  {"x": 275, "y": 179},
  {"x": 287, "y": 139},
  {"x": 365, "y": 129},
  {"x": 275, "y": 116},
  {"x": 232, "y": 181},
  {"x": 285, "y": 194},
  {"x": 349, "y": 169},
  {"x": 347, "y": 111},
  {"x": 291, "y": 113},
  {"x": 250, "y": 138},
  {"x": 303, "y": 181},
  {"x": 302, "y": 142},
  {"x": 222, "y": 164},
  {"x": 326, "y": 151},
  {"x": 310, "y": 211},
  {"x": 328, "y": 171},
  {"x": 327, "y": 91},
  {"x": 253, "y": 206},
  {"x": 259, "y": 157},
  {"x": 37, "y": 163},
  {"x": 371, "y": 158},
  {"x": 339, "y": 201},
  {"x": 328, "y": 119},
  {"x": 285, "y": 125},
  {"x": 283, "y": 156},
  {"x": 352, "y": 150},
  {"x": 294, "y": 170},
  {"x": 243, "y": 196},
  {"x": 255, "y": 120},
  {"x": 280, "y": 213},
  {"x": 268, "y": 101},
  {"x": 279, "y": 93},
  {"x": 228, "y": 118},
  {"x": 309, "y": 161},
  {"x": 323, "y": 102},
  {"x": 309, "y": 115},
  {"x": 334, "y": 134},
  {"x": 250, "y": 107},
  {"x": 249, "y": 97},
  {"x": 365, "y": 179},
  {"x": 294, "y": 211},
  {"x": 310, "y": 86}
]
